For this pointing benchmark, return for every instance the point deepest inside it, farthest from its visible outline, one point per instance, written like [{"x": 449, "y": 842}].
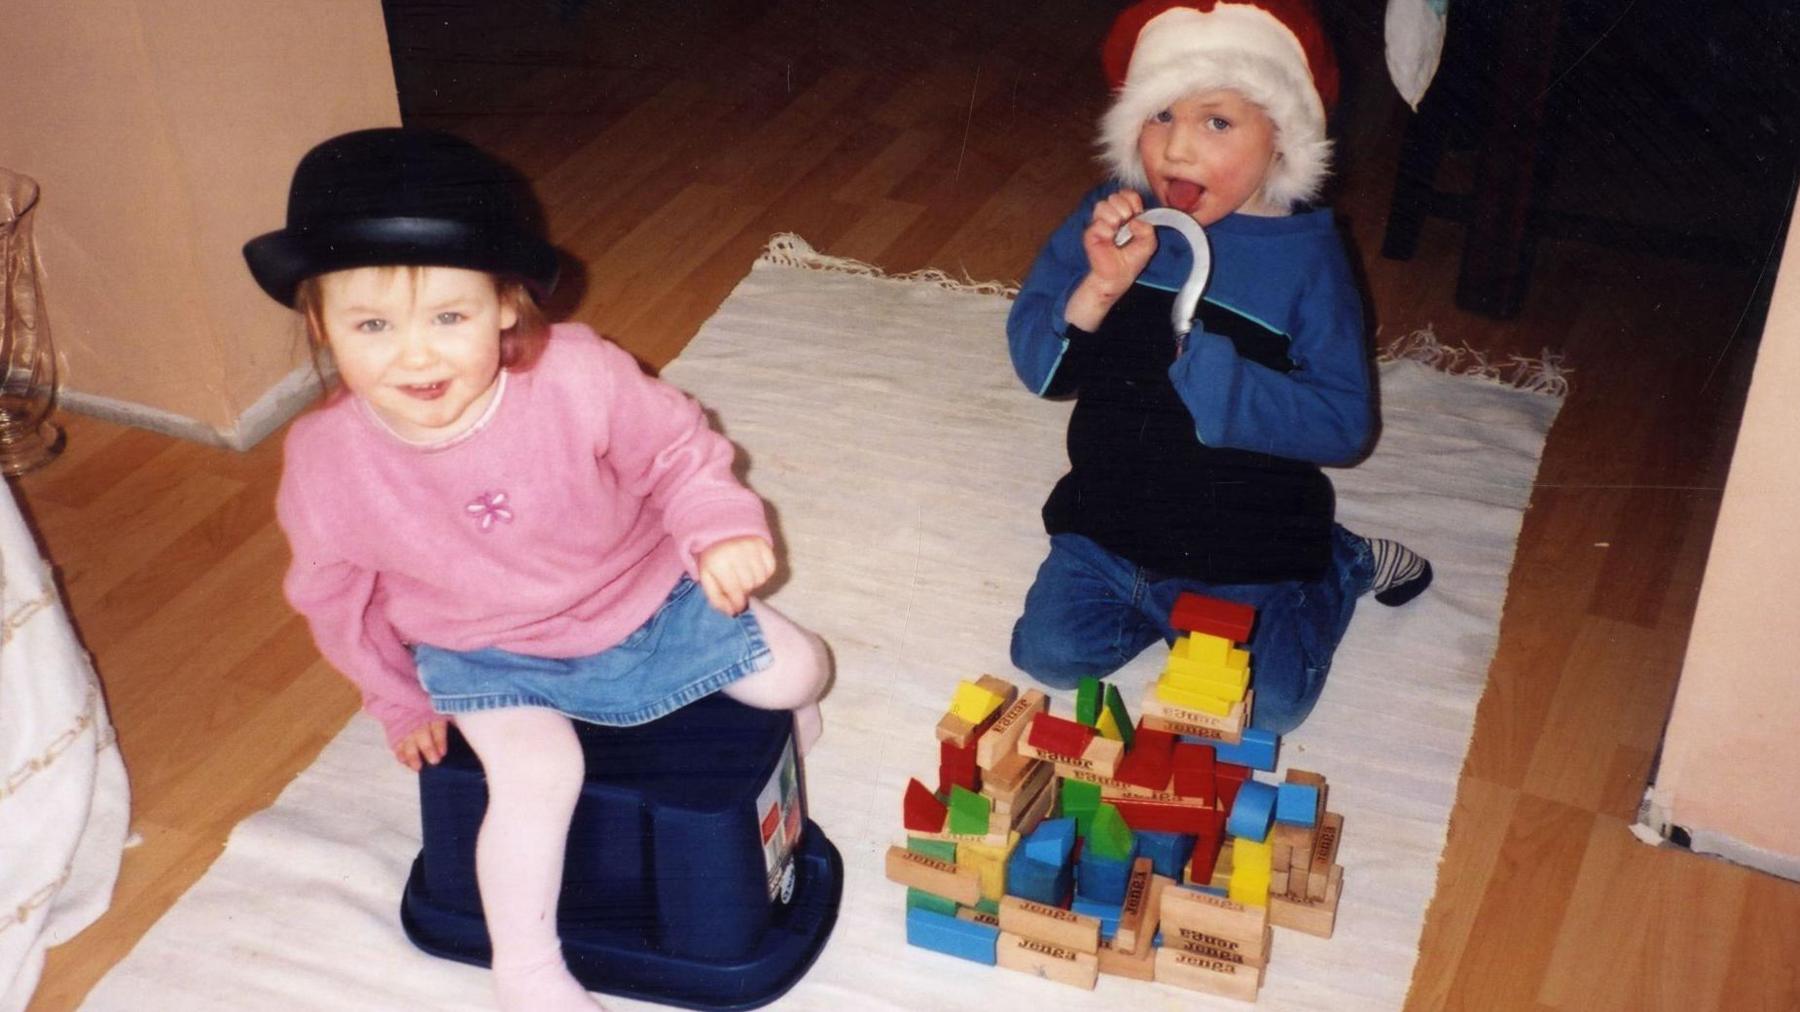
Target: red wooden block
[
  {"x": 924, "y": 812},
  {"x": 1232, "y": 771},
  {"x": 1148, "y": 769},
  {"x": 1197, "y": 613},
  {"x": 1206, "y": 856},
  {"x": 957, "y": 766},
  {"x": 1227, "y": 788},
  {"x": 1163, "y": 817},
  {"x": 1063, "y": 737},
  {"x": 1192, "y": 771}
]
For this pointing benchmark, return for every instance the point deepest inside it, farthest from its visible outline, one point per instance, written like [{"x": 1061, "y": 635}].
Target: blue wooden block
[
  {"x": 1168, "y": 852},
  {"x": 1107, "y": 913},
  {"x": 952, "y": 936},
  {"x": 1052, "y": 841},
  {"x": 1033, "y": 880},
  {"x": 1256, "y": 751},
  {"x": 1103, "y": 879},
  {"x": 1297, "y": 804},
  {"x": 1253, "y": 812},
  {"x": 1215, "y": 891}
]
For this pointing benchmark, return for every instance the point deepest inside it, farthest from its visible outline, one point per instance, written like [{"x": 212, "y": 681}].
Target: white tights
[{"x": 534, "y": 770}]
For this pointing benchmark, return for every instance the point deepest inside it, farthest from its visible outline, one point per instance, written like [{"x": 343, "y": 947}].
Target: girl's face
[
  {"x": 1208, "y": 155},
  {"x": 423, "y": 352}
]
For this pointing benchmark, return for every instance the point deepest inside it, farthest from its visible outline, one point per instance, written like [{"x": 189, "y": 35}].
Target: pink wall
[
  {"x": 163, "y": 135},
  {"x": 1731, "y": 755}
]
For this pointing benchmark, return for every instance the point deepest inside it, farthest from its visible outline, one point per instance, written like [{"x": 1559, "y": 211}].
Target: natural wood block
[
  {"x": 1312, "y": 917},
  {"x": 1036, "y": 773},
  {"x": 1324, "y": 855},
  {"x": 1142, "y": 909},
  {"x": 1138, "y": 966},
  {"x": 1162, "y": 716},
  {"x": 978, "y": 916},
  {"x": 1052, "y": 925},
  {"x": 1047, "y": 960},
  {"x": 1213, "y": 915},
  {"x": 1005, "y": 690},
  {"x": 1006, "y": 776},
  {"x": 1221, "y": 948},
  {"x": 933, "y": 876},
  {"x": 1002, "y": 738},
  {"x": 1026, "y": 816},
  {"x": 1098, "y": 756},
  {"x": 1203, "y": 973}
]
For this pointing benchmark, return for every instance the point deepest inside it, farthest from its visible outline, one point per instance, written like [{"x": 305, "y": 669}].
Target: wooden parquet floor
[{"x": 668, "y": 141}]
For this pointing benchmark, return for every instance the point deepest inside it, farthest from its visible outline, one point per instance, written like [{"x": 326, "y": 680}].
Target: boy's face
[
  {"x": 423, "y": 353},
  {"x": 1208, "y": 155}
]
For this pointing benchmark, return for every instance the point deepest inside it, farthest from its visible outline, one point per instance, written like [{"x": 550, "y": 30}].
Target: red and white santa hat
[{"x": 1273, "y": 52}]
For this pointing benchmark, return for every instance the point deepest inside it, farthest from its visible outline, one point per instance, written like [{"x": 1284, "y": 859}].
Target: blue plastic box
[{"x": 693, "y": 877}]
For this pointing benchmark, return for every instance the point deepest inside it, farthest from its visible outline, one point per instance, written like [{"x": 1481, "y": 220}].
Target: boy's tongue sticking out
[{"x": 1184, "y": 195}]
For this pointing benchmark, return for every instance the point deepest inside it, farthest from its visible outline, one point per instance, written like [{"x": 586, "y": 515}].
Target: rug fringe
[
  {"x": 786, "y": 249},
  {"x": 1545, "y": 374}
]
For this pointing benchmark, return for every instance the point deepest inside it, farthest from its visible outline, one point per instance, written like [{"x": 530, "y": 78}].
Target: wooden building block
[
  {"x": 1312, "y": 917},
  {"x": 1252, "y": 811},
  {"x": 1256, "y": 748},
  {"x": 969, "y": 812},
  {"x": 951, "y": 936},
  {"x": 978, "y": 916},
  {"x": 1213, "y": 915},
  {"x": 1174, "y": 694},
  {"x": 1142, "y": 910},
  {"x": 1030, "y": 774},
  {"x": 1115, "y": 705},
  {"x": 1026, "y": 815},
  {"x": 1297, "y": 804},
  {"x": 1193, "y": 819},
  {"x": 1162, "y": 716},
  {"x": 1051, "y": 962},
  {"x": 921, "y": 810},
  {"x": 1204, "y": 857},
  {"x": 1324, "y": 855},
  {"x": 973, "y": 703},
  {"x": 919, "y": 899},
  {"x": 1058, "y": 737},
  {"x": 1224, "y": 619},
  {"x": 1108, "y": 726},
  {"x": 1316, "y": 780},
  {"x": 956, "y": 767},
  {"x": 1099, "y": 755},
  {"x": 1108, "y": 835},
  {"x": 1002, "y": 738},
  {"x": 1231, "y": 951},
  {"x": 989, "y": 863},
  {"x": 1007, "y": 691},
  {"x": 1147, "y": 765},
  {"x": 1203, "y": 649},
  {"x": 1140, "y": 965},
  {"x": 1202, "y": 973},
  {"x": 1050, "y": 924},
  {"x": 1191, "y": 772},
  {"x": 943, "y": 850},
  {"x": 1088, "y": 696},
  {"x": 933, "y": 876}
]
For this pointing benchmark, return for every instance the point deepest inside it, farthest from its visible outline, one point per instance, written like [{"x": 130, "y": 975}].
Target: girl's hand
[
  {"x": 1111, "y": 267},
  {"x": 731, "y": 569},
  {"x": 428, "y": 743}
]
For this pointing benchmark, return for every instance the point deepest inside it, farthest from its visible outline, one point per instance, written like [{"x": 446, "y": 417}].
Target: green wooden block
[
  {"x": 1087, "y": 701},
  {"x": 1079, "y": 801},
  {"x": 943, "y": 850},
  {"x": 1121, "y": 716},
  {"x": 968, "y": 812},
  {"x": 988, "y": 906},
  {"x": 921, "y": 900},
  {"x": 1108, "y": 835}
]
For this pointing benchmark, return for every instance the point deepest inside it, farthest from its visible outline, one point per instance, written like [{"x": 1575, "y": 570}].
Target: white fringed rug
[{"x": 905, "y": 467}]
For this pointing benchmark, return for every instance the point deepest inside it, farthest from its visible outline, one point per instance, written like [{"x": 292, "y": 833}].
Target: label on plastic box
[{"x": 780, "y": 816}]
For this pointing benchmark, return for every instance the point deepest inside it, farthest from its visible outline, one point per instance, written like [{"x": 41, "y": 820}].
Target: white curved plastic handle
[{"x": 1187, "y": 301}]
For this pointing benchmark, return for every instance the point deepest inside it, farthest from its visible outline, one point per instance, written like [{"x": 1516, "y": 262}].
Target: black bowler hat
[{"x": 403, "y": 197}]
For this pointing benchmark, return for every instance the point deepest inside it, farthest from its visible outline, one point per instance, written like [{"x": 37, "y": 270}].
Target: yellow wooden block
[
  {"x": 1203, "y": 648},
  {"x": 1177, "y": 696},
  {"x": 1108, "y": 725},
  {"x": 973, "y": 703},
  {"x": 1256, "y": 855},
  {"x": 1251, "y": 888},
  {"x": 1211, "y": 683},
  {"x": 988, "y": 862},
  {"x": 1237, "y": 659}
]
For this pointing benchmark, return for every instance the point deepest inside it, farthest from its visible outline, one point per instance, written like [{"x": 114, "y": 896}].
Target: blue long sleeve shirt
[{"x": 1204, "y": 462}]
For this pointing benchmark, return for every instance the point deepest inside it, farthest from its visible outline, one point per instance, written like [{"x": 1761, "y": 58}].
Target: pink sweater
[{"x": 554, "y": 527}]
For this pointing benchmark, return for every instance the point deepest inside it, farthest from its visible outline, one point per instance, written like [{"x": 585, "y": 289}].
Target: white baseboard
[
  {"x": 1656, "y": 827},
  {"x": 281, "y": 402}
]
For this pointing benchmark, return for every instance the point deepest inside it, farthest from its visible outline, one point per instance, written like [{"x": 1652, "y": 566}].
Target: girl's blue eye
[
  {"x": 450, "y": 318},
  {"x": 1163, "y": 117},
  {"x": 372, "y": 326},
  {"x": 1219, "y": 123}
]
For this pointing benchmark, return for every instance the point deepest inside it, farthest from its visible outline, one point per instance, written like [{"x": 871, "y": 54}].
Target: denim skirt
[{"x": 685, "y": 651}]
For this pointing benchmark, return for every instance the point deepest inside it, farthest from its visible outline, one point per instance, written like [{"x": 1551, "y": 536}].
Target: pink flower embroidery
[{"x": 489, "y": 507}]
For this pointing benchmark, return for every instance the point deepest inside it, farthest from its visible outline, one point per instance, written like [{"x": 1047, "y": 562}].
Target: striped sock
[{"x": 1401, "y": 574}]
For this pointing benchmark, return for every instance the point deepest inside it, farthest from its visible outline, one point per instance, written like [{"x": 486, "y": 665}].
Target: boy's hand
[
  {"x": 1111, "y": 267},
  {"x": 425, "y": 745},
  {"x": 730, "y": 570}
]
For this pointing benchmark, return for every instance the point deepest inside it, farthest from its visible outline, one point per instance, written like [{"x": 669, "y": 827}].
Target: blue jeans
[{"x": 1090, "y": 611}]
